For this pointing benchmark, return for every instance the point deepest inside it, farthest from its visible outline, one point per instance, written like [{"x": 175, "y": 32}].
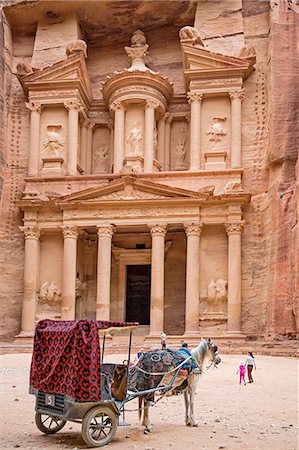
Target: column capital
[
  {"x": 31, "y": 232},
  {"x": 193, "y": 229},
  {"x": 70, "y": 231},
  {"x": 105, "y": 231},
  {"x": 33, "y": 106},
  {"x": 152, "y": 104},
  {"x": 237, "y": 94},
  {"x": 88, "y": 124},
  {"x": 117, "y": 104},
  {"x": 168, "y": 118},
  {"x": 194, "y": 97},
  {"x": 158, "y": 230},
  {"x": 73, "y": 104},
  {"x": 234, "y": 227}
]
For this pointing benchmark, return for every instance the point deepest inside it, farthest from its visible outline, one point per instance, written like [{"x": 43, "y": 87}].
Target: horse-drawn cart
[{"x": 71, "y": 382}]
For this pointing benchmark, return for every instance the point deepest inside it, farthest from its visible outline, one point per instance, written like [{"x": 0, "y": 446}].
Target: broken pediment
[
  {"x": 60, "y": 75},
  {"x": 128, "y": 189},
  {"x": 201, "y": 63}
]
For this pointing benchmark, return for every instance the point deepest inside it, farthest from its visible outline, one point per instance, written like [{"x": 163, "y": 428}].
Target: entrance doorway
[{"x": 138, "y": 293}]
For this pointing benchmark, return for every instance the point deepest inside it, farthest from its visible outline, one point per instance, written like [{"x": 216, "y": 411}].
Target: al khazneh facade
[{"x": 139, "y": 182}]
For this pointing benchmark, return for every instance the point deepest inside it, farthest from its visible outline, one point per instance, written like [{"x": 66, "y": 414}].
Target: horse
[{"x": 206, "y": 350}]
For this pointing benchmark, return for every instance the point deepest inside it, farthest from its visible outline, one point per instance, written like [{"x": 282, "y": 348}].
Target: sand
[{"x": 261, "y": 415}]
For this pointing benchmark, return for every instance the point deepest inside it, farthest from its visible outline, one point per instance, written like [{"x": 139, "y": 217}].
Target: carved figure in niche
[
  {"x": 216, "y": 132},
  {"x": 135, "y": 139},
  {"x": 188, "y": 33},
  {"x": 50, "y": 294},
  {"x": 180, "y": 153},
  {"x": 217, "y": 291},
  {"x": 80, "y": 288},
  {"x": 54, "y": 143},
  {"x": 101, "y": 159}
]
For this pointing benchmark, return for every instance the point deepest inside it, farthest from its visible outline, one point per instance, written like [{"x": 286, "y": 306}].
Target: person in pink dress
[{"x": 242, "y": 371}]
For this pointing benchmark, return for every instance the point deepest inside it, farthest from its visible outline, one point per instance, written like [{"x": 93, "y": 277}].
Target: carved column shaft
[
  {"x": 195, "y": 130},
  {"x": 168, "y": 121},
  {"x": 89, "y": 139},
  {"x": 234, "y": 277},
  {"x": 161, "y": 140},
  {"x": 73, "y": 108},
  {"x": 149, "y": 136},
  {"x": 236, "y": 131},
  {"x": 193, "y": 232},
  {"x": 83, "y": 146},
  {"x": 105, "y": 234},
  {"x": 30, "y": 278},
  {"x": 33, "y": 161},
  {"x": 119, "y": 137},
  {"x": 70, "y": 235},
  {"x": 158, "y": 233}
]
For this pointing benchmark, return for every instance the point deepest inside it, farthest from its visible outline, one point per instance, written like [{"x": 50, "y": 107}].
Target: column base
[
  {"x": 25, "y": 334},
  {"x": 191, "y": 335},
  {"x": 234, "y": 334}
]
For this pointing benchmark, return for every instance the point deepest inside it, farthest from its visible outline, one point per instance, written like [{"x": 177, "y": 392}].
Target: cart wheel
[
  {"x": 99, "y": 426},
  {"x": 48, "y": 424}
]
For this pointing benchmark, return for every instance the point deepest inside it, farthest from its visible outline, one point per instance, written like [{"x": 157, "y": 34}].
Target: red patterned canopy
[{"x": 66, "y": 357}]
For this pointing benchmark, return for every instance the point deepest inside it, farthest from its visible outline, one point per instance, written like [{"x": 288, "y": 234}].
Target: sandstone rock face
[{"x": 270, "y": 133}]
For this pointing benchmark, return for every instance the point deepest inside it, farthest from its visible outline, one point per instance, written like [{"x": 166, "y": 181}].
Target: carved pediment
[
  {"x": 130, "y": 189},
  {"x": 199, "y": 62},
  {"x": 71, "y": 70}
]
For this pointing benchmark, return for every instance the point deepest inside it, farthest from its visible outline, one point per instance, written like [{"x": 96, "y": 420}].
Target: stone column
[
  {"x": 73, "y": 108},
  {"x": 89, "y": 139},
  {"x": 234, "y": 230},
  {"x": 168, "y": 120},
  {"x": 236, "y": 120},
  {"x": 70, "y": 235},
  {"x": 31, "y": 234},
  {"x": 193, "y": 232},
  {"x": 158, "y": 233},
  {"x": 149, "y": 127},
  {"x": 161, "y": 140},
  {"x": 105, "y": 234},
  {"x": 195, "y": 133},
  {"x": 119, "y": 136},
  {"x": 33, "y": 161},
  {"x": 83, "y": 145}
]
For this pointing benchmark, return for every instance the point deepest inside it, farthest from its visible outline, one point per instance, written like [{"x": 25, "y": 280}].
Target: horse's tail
[{"x": 140, "y": 402}]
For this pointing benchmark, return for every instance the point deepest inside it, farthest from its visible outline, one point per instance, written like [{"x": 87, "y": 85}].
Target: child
[{"x": 242, "y": 371}]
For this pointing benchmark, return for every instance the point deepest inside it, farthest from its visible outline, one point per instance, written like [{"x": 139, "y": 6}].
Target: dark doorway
[{"x": 138, "y": 294}]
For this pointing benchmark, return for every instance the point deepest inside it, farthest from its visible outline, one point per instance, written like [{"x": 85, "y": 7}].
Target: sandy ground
[{"x": 261, "y": 415}]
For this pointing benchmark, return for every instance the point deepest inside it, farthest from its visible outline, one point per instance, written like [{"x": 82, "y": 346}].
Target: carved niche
[{"x": 179, "y": 145}]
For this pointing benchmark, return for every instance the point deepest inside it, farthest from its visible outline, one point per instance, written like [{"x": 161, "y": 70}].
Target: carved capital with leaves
[
  {"x": 234, "y": 227},
  {"x": 70, "y": 231},
  {"x": 193, "y": 229}
]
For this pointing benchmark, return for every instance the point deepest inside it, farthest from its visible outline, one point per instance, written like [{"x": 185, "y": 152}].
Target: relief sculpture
[
  {"x": 54, "y": 143},
  {"x": 50, "y": 294},
  {"x": 217, "y": 291},
  {"x": 180, "y": 154},
  {"x": 101, "y": 159},
  {"x": 216, "y": 132},
  {"x": 135, "y": 139}
]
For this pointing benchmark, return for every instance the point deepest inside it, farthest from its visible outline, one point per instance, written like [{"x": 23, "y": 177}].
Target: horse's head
[{"x": 213, "y": 352}]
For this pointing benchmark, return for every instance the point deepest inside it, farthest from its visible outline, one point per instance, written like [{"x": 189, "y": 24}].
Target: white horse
[{"x": 206, "y": 350}]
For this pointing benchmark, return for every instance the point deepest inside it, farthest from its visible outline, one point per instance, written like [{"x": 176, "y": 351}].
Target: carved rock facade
[{"x": 141, "y": 179}]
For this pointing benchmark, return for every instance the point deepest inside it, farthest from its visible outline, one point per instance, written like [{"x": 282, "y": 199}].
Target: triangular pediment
[
  {"x": 71, "y": 70},
  {"x": 130, "y": 189},
  {"x": 199, "y": 62}
]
